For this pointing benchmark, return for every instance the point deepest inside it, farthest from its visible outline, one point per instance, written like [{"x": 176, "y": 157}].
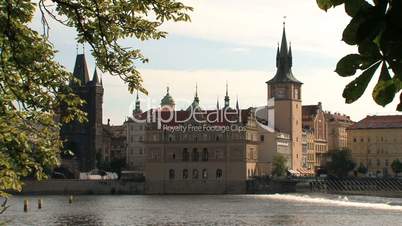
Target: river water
[{"x": 278, "y": 209}]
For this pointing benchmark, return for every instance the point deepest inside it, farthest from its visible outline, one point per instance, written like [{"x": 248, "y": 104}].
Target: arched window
[
  {"x": 196, "y": 155},
  {"x": 204, "y": 174},
  {"x": 185, "y": 173},
  {"x": 205, "y": 155},
  {"x": 219, "y": 173},
  {"x": 171, "y": 174},
  {"x": 195, "y": 174},
  {"x": 185, "y": 155}
]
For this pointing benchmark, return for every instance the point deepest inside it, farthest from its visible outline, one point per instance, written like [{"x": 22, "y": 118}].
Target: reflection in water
[
  {"x": 204, "y": 210},
  {"x": 74, "y": 220},
  {"x": 285, "y": 220}
]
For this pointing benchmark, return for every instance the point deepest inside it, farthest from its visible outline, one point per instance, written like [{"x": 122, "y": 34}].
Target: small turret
[
  {"x": 195, "y": 106},
  {"x": 167, "y": 100},
  {"x": 237, "y": 103},
  {"x": 227, "y": 99},
  {"x": 137, "y": 108}
]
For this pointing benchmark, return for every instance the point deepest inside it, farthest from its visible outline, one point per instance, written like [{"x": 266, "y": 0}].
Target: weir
[{"x": 367, "y": 186}]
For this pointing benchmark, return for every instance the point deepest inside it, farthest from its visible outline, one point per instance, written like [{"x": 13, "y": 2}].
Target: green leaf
[
  {"x": 324, "y": 4},
  {"x": 370, "y": 49},
  {"x": 348, "y": 65},
  {"x": 356, "y": 88},
  {"x": 399, "y": 107},
  {"x": 349, "y": 34},
  {"x": 384, "y": 91},
  {"x": 337, "y": 2},
  {"x": 352, "y": 7}
]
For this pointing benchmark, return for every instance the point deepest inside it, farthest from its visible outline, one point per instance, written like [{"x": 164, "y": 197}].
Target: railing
[{"x": 356, "y": 185}]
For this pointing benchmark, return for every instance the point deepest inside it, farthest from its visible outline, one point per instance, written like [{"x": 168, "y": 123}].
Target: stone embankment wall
[
  {"x": 270, "y": 186},
  {"x": 66, "y": 187}
]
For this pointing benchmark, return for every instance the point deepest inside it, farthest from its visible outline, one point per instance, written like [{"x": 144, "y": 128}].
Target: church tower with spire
[{"x": 286, "y": 91}]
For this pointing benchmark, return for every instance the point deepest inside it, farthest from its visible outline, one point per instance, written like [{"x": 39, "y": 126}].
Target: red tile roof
[
  {"x": 337, "y": 117},
  {"x": 379, "y": 122}
]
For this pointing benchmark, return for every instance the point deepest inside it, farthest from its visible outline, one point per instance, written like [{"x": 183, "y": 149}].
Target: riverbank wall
[
  {"x": 82, "y": 187},
  {"x": 104, "y": 187},
  {"x": 384, "y": 187}
]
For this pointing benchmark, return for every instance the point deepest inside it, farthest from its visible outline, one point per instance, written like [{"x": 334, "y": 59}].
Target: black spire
[
  {"x": 196, "y": 99},
  {"x": 237, "y": 103},
  {"x": 195, "y": 106},
  {"x": 284, "y": 62},
  {"x": 227, "y": 99},
  {"x": 95, "y": 79},
  {"x": 137, "y": 104},
  {"x": 81, "y": 69}
]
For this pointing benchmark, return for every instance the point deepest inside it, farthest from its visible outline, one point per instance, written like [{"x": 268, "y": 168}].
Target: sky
[{"x": 232, "y": 41}]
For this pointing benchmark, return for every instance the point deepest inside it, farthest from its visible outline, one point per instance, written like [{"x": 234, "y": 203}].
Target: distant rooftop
[{"x": 379, "y": 122}]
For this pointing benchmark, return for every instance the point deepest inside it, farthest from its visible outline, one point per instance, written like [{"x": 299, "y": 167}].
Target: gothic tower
[
  {"x": 95, "y": 101},
  {"x": 286, "y": 91},
  {"x": 84, "y": 139}
]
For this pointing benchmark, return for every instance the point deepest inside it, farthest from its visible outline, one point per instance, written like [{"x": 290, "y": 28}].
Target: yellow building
[
  {"x": 337, "y": 125},
  {"x": 375, "y": 142},
  {"x": 315, "y": 127}
]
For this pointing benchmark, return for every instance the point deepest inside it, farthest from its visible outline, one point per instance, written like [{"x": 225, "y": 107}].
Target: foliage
[
  {"x": 279, "y": 166},
  {"x": 340, "y": 163},
  {"x": 396, "y": 166},
  {"x": 362, "y": 169},
  {"x": 115, "y": 165},
  {"x": 33, "y": 86},
  {"x": 376, "y": 29}
]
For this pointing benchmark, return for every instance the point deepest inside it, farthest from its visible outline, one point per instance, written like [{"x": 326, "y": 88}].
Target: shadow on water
[
  {"x": 73, "y": 220},
  {"x": 284, "y": 220}
]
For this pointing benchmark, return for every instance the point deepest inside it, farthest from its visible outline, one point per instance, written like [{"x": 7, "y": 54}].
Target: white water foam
[{"x": 326, "y": 201}]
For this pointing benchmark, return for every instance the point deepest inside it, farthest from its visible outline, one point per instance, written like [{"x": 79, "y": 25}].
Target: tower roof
[
  {"x": 195, "y": 106},
  {"x": 137, "y": 108},
  {"x": 284, "y": 63},
  {"x": 227, "y": 98},
  {"x": 167, "y": 100},
  {"x": 81, "y": 69},
  {"x": 95, "y": 78}
]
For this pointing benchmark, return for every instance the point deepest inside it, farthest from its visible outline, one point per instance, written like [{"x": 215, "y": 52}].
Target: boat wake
[{"x": 341, "y": 201}]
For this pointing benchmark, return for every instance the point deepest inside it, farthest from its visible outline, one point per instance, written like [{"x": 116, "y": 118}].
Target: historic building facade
[
  {"x": 200, "y": 151},
  {"x": 135, "y": 130},
  {"x": 315, "y": 127},
  {"x": 337, "y": 134},
  {"x": 375, "y": 142}
]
